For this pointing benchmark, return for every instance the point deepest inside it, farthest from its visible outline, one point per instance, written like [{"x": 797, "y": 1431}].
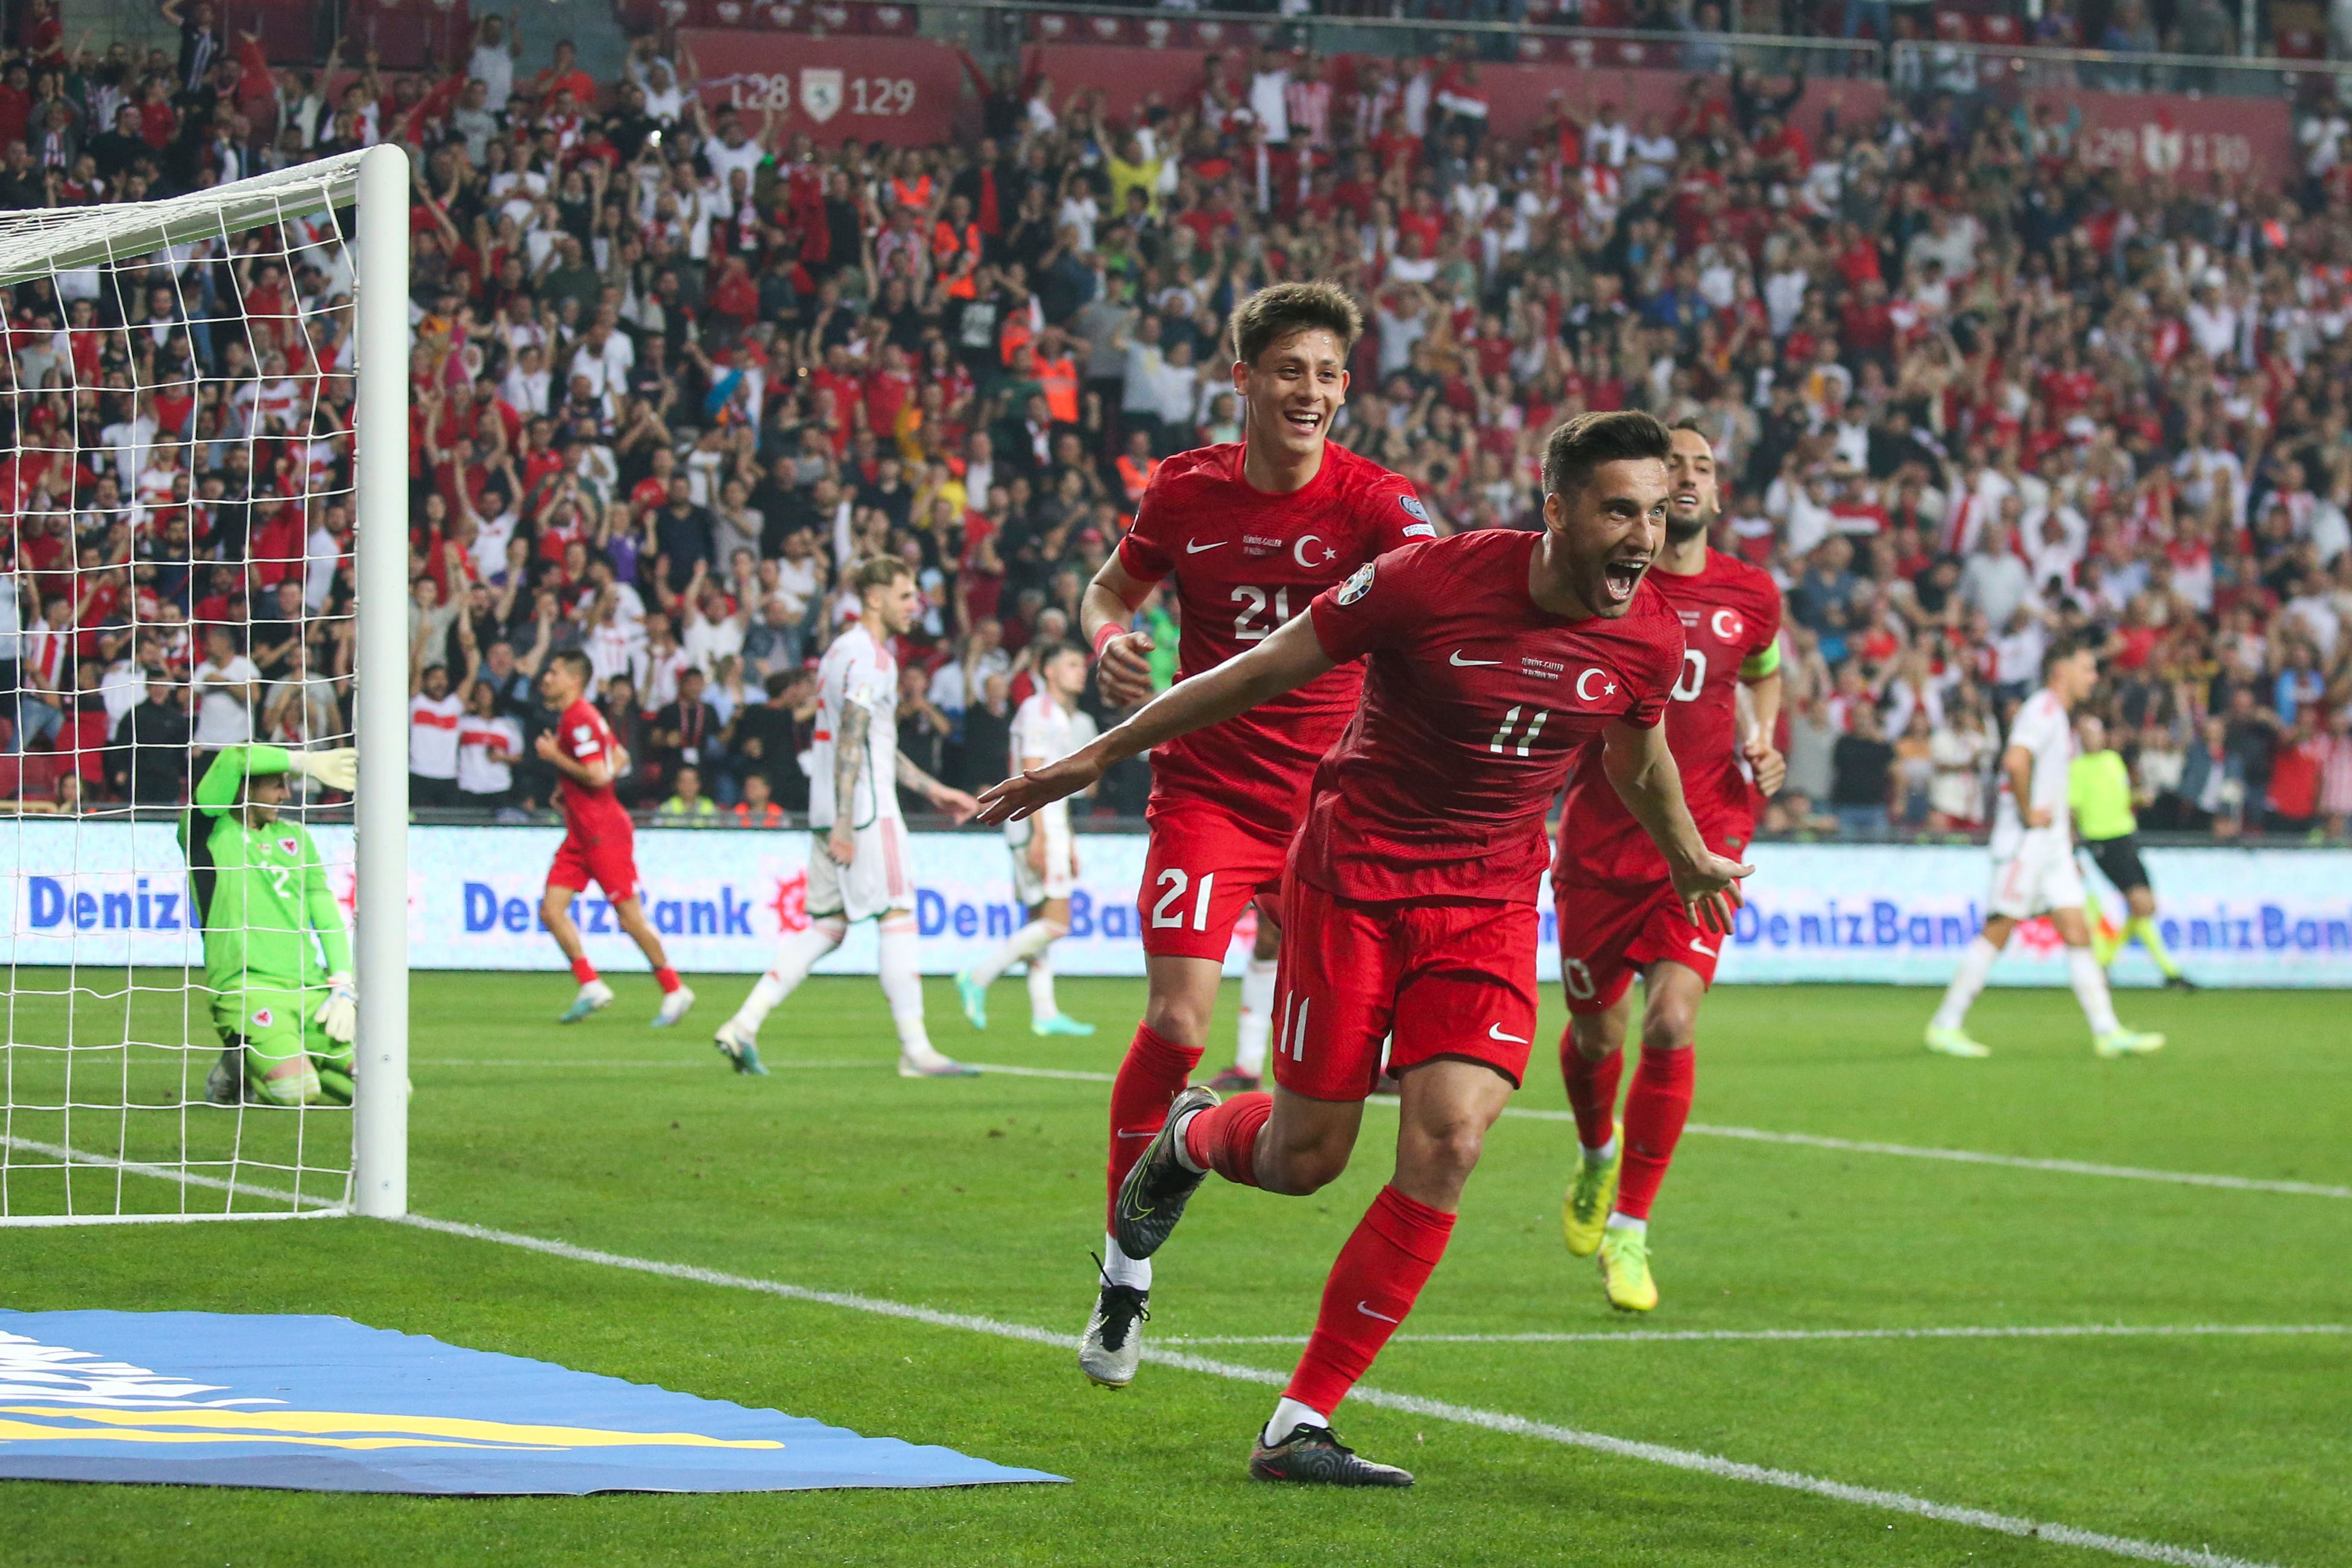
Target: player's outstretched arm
[
  {"x": 218, "y": 791},
  {"x": 1641, "y": 771},
  {"x": 1288, "y": 660}
]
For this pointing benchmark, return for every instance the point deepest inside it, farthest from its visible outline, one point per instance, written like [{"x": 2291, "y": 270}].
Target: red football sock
[
  {"x": 1591, "y": 1091},
  {"x": 1224, "y": 1138},
  {"x": 1656, "y": 1109},
  {"x": 1154, "y": 1072},
  {"x": 666, "y": 978},
  {"x": 583, "y": 970},
  {"x": 1373, "y": 1285}
]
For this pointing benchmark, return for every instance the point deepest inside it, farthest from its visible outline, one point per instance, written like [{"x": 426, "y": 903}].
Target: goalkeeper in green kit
[{"x": 277, "y": 958}]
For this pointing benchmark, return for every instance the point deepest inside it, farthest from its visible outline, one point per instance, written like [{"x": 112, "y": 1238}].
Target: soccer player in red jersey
[
  {"x": 1495, "y": 663},
  {"x": 1619, "y": 912},
  {"x": 599, "y": 842},
  {"x": 1247, "y": 533}
]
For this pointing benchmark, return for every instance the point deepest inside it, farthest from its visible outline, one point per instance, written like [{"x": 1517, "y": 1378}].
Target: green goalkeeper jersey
[{"x": 260, "y": 894}]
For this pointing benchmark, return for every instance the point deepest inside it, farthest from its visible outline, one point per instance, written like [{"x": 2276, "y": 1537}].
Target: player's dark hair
[
  {"x": 1050, "y": 650},
  {"x": 575, "y": 661},
  {"x": 2064, "y": 646},
  {"x": 879, "y": 571},
  {"x": 1690, "y": 423},
  {"x": 1286, "y": 310},
  {"x": 1589, "y": 440}
]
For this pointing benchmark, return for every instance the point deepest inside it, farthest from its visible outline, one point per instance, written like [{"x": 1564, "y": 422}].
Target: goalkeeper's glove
[
  {"x": 338, "y": 769},
  {"x": 339, "y": 1015}
]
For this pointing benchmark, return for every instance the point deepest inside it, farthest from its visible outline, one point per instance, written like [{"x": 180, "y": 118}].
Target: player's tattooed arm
[
  {"x": 955, "y": 803},
  {"x": 1641, "y": 771},
  {"x": 848, "y": 762},
  {"x": 2017, "y": 766}
]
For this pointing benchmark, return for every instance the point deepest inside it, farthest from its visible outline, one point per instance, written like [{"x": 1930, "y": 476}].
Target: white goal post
[{"x": 105, "y": 1116}]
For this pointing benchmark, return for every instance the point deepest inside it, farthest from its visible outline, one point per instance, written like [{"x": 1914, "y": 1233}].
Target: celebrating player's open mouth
[{"x": 1622, "y": 576}]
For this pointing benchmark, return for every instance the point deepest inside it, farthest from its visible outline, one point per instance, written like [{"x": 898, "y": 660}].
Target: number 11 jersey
[{"x": 1245, "y": 561}]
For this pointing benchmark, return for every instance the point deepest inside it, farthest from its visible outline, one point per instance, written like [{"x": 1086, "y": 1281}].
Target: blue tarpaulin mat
[{"x": 318, "y": 1403}]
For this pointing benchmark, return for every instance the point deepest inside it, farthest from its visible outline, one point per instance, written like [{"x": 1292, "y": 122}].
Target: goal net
[{"x": 206, "y": 398}]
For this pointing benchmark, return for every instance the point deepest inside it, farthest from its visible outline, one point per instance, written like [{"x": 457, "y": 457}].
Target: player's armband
[{"x": 1757, "y": 666}]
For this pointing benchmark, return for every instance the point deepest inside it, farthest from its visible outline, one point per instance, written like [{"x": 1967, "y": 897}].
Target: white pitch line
[
  {"x": 1439, "y": 1410},
  {"x": 2015, "y": 1162},
  {"x": 1856, "y": 1146},
  {"x": 695, "y": 1064},
  {"x": 306, "y": 1206},
  {"x": 1688, "y": 1336},
  {"x": 1432, "y": 1409},
  {"x": 1074, "y": 1076}
]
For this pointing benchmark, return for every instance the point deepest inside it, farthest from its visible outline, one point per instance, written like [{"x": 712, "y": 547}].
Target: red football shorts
[
  {"x": 1446, "y": 980},
  {"x": 1202, "y": 868},
  {"x": 605, "y": 856},
  {"x": 1608, "y": 935}
]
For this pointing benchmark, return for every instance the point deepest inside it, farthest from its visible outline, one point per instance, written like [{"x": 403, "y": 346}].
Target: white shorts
[
  {"x": 1029, "y": 889},
  {"x": 876, "y": 881},
  {"x": 2039, "y": 876}
]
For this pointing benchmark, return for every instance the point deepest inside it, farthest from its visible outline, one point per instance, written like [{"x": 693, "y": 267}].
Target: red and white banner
[
  {"x": 1517, "y": 94},
  {"x": 2176, "y": 137},
  {"x": 904, "y": 91}
]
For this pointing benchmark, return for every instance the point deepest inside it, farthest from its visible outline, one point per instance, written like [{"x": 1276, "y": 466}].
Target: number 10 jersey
[{"x": 1730, "y": 615}]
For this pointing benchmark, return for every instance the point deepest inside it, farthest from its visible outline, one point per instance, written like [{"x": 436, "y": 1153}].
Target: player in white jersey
[
  {"x": 858, "y": 865},
  {"x": 2033, "y": 870},
  {"x": 1044, "y": 857}
]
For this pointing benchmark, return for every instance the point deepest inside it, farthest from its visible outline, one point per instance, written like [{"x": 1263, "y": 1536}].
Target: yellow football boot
[
  {"x": 1625, "y": 1271},
  {"x": 1585, "y": 1208}
]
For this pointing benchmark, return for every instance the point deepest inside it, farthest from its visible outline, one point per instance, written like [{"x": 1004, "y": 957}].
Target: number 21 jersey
[{"x": 1245, "y": 561}]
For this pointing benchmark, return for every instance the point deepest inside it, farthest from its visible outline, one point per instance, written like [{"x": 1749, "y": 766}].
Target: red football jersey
[
  {"x": 587, "y": 737},
  {"x": 1244, "y": 562},
  {"x": 1730, "y": 614},
  {"x": 1477, "y": 705}
]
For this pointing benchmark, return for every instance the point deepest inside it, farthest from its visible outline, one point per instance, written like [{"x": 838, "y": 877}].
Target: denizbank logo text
[{"x": 109, "y": 892}]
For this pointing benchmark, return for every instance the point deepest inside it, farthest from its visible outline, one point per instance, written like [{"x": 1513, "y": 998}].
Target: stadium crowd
[{"x": 676, "y": 367}]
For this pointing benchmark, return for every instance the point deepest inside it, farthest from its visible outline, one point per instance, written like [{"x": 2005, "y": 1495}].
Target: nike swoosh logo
[
  {"x": 1494, "y": 1031},
  {"x": 1194, "y": 547},
  {"x": 1700, "y": 947},
  {"x": 1139, "y": 1135},
  {"x": 1382, "y": 1316},
  {"x": 1465, "y": 663}
]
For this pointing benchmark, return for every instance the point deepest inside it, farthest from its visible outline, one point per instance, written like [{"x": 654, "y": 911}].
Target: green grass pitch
[{"x": 984, "y": 1197}]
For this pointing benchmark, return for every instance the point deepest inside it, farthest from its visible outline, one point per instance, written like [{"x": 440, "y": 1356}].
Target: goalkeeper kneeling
[{"x": 277, "y": 958}]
